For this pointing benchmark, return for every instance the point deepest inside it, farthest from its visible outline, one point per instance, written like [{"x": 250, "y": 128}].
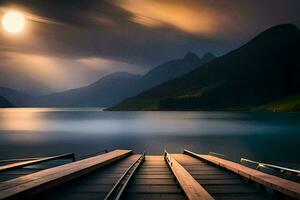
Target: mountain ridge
[
  {"x": 4, "y": 103},
  {"x": 111, "y": 88},
  {"x": 258, "y": 72}
]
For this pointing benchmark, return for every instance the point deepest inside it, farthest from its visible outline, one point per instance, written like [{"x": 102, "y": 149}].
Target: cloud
[
  {"x": 72, "y": 43},
  {"x": 44, "y": 20},
  {"x": 187, "y": 16},
  {"x": 102, "y": 64},
  {"x": 23, "y": 70},
  {"x": 37, "y": 72},
  {"x": 31, "y": 17}
]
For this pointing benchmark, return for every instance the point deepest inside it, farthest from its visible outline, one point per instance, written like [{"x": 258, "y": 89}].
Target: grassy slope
[
  {"x": 137, "y": 105},
  {"x": 259, "y": 72},
  {"x": 288, "y": 104}
]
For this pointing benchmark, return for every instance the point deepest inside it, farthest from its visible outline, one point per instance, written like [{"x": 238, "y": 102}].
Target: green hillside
[
  {"x": 288, "y": 104},
  {"x": 264, "y": 70}
]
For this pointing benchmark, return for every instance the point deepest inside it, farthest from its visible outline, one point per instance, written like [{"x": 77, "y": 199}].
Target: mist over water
[{"x": 29, "y": 132}]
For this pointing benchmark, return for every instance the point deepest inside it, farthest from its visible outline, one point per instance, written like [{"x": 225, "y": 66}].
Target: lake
[{"x": 30, "y": 132}]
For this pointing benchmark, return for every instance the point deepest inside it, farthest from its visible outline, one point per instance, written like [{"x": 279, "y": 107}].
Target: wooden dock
[
  {"x": 11, "y": 169},
  {"x": 121, "y": 174}
]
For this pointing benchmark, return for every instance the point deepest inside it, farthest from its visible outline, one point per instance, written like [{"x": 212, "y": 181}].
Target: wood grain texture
[
  {"x": 37, "y": 182},
  {"x": 289, "y": 188},
  {"x": 31, "y": 162},
  {"x": 151, "y": 185},
  {"x": 86, "y": 186},
  {"x": 192, "y": 189}
]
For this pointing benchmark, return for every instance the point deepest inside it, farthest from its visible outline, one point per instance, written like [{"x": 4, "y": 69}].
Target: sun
[{"x": 13, "y": 21}]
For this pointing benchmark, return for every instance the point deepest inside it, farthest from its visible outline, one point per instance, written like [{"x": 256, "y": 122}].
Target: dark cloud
[{"x": 133, "y": 35}]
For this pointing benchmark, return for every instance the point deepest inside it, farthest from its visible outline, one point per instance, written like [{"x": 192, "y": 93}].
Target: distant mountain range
[
  {"x": 106, "y": 91},
  {"x": 4, "y": 103},
  {"x": 112, "y": 88},
  {"x": 264, "y": 70},
  {"x": 173, "y": 69},
  {"x": 16, "y": 97}
]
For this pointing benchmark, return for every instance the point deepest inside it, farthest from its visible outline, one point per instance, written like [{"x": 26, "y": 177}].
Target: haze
[{"x": 67, "y": 44}]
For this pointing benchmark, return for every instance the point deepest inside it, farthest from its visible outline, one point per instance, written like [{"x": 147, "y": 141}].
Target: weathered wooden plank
[
  {"x": 147, "y": 184},
  {"x": 71, "y": 166},
  {"x": 149, "y": 196},
  {"x": 153, "y": 157},
  {"x": 18, "y": 160},
  {"x": 208, "y": 172},
  {"x": 43, "y": 180},
  {"x": 47, "y": 164},
  {"x": 76, "y": 196},
  {"x": 158, "y": 169},
  {"x": 215, "y": 176},
  {"x": 154, "y": 181},
  {"x": 154, "y": 172},
  {"x": 31, "y": 162},
  {"x": 243, "y": 196},
  {"x": 155, "y": 167},
  {"x": 229, "y": 189},
  {"x": 117, "y": 191},
  {"x": 192, "y": 189},
  {"x": 168, "y": 189},
  {"x": 114, "y": 170},
  {"x": 98, "y": 181},
  {"x": 91, "y": 188},
  {"x": 163, "y": 176},
  {"x": 88, "y": 184},
  {"x": 221, "y": 182},
  {"x": 17, "y": 172},
  {"x": 286, "y": 187},
  {"x": 200, "y": 168}
]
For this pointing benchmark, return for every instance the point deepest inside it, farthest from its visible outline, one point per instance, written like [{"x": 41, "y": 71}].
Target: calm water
[{"x": 39, "y": 132}]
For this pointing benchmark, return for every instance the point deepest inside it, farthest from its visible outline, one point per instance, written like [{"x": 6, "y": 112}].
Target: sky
[{"x": 71, "y": 43}]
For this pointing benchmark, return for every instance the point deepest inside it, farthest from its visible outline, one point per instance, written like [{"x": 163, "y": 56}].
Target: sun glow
[{"x": 13, "y": 21}]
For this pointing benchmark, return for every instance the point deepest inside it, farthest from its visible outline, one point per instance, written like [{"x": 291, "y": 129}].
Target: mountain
[
  {"x": 115, "y": 87},
  {"x": 173, "y": 69},
  {"x": 264, "y": 70},
  {"x": 112, "y": 88},
  {"x": 287, "y": 104},
  {"x": 106, "y": 91},
  {"x": 16, "y": 97},
  {"x": 4, "y": 103}
]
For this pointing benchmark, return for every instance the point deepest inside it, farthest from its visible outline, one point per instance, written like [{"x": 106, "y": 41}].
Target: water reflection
[
  {"x": 21, "y": 120},
  {"x": 43, "y": 131},
  {"x": 90, "y": 121}
]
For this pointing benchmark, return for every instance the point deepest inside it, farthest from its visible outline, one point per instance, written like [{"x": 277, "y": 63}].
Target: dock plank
[
  {"x": 154, "y": 181},
  {"x": 21, "y": 170},
  {"x": 43, "y": 180},
  {"x": 192, "y": 189},
  {"x": 222, "y": 186},
  {"x": 284, "y": 186},
  {"x": 149, "y": 188},
  {"x": 147, "y": 184},
  {"x": 31, "y": 162},
  {"x": 149, "y": 196},
  {"x": 89, "y": 184},
  {"x": 151, "y": 176}
]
